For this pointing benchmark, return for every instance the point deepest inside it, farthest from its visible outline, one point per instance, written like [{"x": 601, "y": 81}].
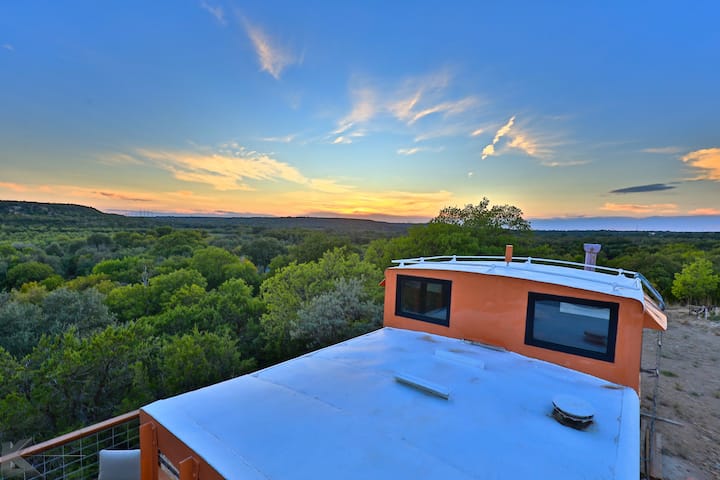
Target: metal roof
[
  {"x": 606, "y": 280},
  {"x": 401, "y": 404}
]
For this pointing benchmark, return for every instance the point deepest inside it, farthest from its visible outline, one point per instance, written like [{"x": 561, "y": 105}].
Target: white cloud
[
  {"x": 477, "y": 131},
  {"x": 342, "y": 140},
  {"x": 413, "y": 100},
  {"x": 285, "y": 139},
  {"x": 663, "y": 150},
  {"x": 273, "y": 58},
  {"x": 364, "y": 108},
  {"x": 216, "y": 12},
  {"x": 502, "y": 131},
  {"x": 448, "y": 108},
  {"x": 707, "y": 161},
  {"x": 409, "y": 151},
  {"x": 571, "y": 163}
]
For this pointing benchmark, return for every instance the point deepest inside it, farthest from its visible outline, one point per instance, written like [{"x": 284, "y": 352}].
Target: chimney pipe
[
  {"x": 508, "y": 253},
  {"x": 591, "y": 251}
]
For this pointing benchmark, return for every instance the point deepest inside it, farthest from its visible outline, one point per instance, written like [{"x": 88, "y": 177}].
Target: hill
[{"x": 17, "y": 213}]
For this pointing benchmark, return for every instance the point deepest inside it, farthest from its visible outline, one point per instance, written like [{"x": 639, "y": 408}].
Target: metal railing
[
  {"x": 73, "y": 455},
  {"x": 463, "y": 259}
]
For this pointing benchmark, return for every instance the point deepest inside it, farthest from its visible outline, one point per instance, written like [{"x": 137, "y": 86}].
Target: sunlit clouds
[
  {"x": 223, "y": 171},
  {"x": 644, "y": 209},
  {"x": 707, "y": 161},
  {"x": 273, "y": 58},
  {"x": 705, "y": 211},
  {"x": 502, "y": 131}
]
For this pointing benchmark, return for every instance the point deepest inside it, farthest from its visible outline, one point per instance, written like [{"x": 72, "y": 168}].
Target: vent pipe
[
  {"x": 508, "y": 253},
  {"x": 591, "y": 251}
]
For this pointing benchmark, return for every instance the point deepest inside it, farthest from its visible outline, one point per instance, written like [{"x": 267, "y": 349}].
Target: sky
[{"x": 376, "y": 109}]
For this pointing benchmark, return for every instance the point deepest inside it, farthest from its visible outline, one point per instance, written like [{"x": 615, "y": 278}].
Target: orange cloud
[
  {"x": 15, "y": 187},
  {"x": 656, "y": 208},
  {"x": 705, "y": 211},
  {"x": 707, "y": 160}
]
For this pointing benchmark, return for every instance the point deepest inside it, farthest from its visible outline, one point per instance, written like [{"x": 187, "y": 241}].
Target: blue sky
[{"x": 386, "y": 110}]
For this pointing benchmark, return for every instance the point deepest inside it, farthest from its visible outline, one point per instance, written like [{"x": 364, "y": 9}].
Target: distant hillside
[
  {"x": 67, "y": 215},
  {"x": 689, "y": 223}
]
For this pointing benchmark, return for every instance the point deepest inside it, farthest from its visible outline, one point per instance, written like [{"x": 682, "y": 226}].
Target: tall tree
[{"x": 697, "y": 282}]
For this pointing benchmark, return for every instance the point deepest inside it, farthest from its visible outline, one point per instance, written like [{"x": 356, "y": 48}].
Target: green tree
[
  {"x": 261, "y": 250},
  {"x": 294, "y": 286},
  {"x": 218, "y": 265},
  {"x": 178, "y": 242},
  {"x": 197, "y": 359},
  {"x": 343, "y": 312},
  {"x": 497, "y": 217},
  {"x": 85, "y": 310},
  {"x": 697, "y": 282},
  {"x": 28, "y": 272},
  {"x": 21, "y": 326},
  {"x": 124, "y": 270}
]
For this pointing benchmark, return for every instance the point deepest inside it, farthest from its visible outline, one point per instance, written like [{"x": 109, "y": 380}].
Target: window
[
  {"x": 572, "y": 325},
  {"x": 426, "y": 299}
]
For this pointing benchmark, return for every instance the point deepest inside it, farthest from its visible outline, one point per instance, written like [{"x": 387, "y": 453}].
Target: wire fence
[{"x": 76, "y": 458}]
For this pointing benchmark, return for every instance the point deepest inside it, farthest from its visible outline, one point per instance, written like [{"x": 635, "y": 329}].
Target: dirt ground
[{"x": 689, "y": 393}]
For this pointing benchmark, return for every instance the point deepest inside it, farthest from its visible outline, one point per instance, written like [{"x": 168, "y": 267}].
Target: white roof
[
  {"x": 616, "y": 284},
  {"x": 347, "y": 412}
]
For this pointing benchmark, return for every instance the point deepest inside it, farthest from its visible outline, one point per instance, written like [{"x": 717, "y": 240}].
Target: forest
[{"x": 101, "y": 314}]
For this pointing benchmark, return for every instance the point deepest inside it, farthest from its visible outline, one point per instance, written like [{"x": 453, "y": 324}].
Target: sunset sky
[{"x": 378, "y": 109}]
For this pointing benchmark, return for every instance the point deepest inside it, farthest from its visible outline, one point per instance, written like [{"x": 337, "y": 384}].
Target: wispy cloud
[
  {"x": 121, "y": 196},
  {"x": 558, "y": 164},
  {"x": 663, "y": 150},
  {"x": 409, "y": 102},
  {"x": 409, "y": 151},
  {"x": 8, "y": 47},
  {"x": 705, "y": 211},
  {"x": 653, "y": 187},
  {"x": 285, "y": 139},
  {"x": 216, "y": 12},
  {"x": 365, "y": 105},
  {"x": 232, "y": 167},
  {"x": 273, "y": 58},
  {"x": 447, "y": 108},
  {"x": 489, "y": 149},
  {"x": 223, "y": 171},
  {"x": 652, "y": 209},
  {"x": 342, "y": 140},
  {"x": 414, "y": 150},
  {"x": 477, "y": 131},
  {"x": 15, "y": 187},
  {"x": 707, "y": 161}
]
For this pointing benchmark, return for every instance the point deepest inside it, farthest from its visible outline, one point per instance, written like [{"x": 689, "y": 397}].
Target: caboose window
[
  {"x": 426, "y": 299},
  {"x": 573, "y": 325}
]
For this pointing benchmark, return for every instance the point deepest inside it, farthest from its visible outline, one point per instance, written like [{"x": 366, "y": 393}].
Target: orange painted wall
[
  {"x": 175, "y": 450},
  {"x": 492, "y": 309}
]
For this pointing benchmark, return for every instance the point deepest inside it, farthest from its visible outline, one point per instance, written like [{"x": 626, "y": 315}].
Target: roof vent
[{"x": 572, "y": 412}]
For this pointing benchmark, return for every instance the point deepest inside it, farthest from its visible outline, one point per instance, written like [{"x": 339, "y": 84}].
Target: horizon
[
  {"x": 374, "y": 111},
  {"x": 680, "y": 224}
]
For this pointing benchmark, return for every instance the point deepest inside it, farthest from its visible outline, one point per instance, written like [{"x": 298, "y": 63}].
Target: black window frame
[
  {"x": 608, "y": 356},
  {"x": 447, "y": 293}
]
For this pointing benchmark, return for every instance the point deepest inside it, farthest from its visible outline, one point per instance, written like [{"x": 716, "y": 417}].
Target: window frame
[
  {"x": 446, "y": 284},
  {"x": 607, "y": 356}
]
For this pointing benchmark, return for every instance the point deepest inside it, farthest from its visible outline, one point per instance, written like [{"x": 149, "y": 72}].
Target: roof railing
[
  {"x": 469, "y": 259},
  {"x": 74, "y": 454}
]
